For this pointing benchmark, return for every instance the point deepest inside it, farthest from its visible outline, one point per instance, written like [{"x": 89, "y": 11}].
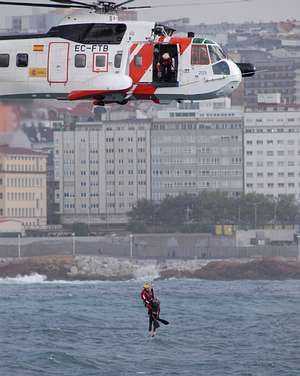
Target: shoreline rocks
[{"x": 117, "y": 269}]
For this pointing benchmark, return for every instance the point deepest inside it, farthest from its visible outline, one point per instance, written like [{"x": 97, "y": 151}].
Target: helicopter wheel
[{"x": 123, "y": 102}]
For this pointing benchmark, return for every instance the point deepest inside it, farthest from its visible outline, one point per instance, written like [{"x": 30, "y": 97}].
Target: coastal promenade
[{"x": 149, "y": 246}]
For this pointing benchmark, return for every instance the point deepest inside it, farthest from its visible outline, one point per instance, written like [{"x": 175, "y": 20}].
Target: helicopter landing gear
[
  {"x": 124, "y": 102},
  {"x": 99, "y": 111}
]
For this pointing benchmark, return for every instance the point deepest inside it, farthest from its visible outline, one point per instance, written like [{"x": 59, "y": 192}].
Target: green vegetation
[
  {"x": 80, "y": 229},
  {"x": 200, "y": 213}
]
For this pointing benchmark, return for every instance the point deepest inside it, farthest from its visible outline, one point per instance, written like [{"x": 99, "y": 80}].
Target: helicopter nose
[
  {"x": 235, "y": 71},
  {"x": 247, "y": 69}
]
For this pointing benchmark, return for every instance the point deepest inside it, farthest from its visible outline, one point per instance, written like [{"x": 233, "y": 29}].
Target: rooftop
[{"x": 5, "y": 149}]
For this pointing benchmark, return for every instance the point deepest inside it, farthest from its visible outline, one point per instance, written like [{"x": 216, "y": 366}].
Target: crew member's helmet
[
  {"x": 147, "y": 285},
  {"x": 166, "y": 56}
]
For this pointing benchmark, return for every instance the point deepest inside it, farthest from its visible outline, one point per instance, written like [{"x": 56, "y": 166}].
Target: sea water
[{"x": 100, "y": 328}]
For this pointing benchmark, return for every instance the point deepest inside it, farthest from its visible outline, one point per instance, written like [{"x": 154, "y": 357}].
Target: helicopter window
[
  {"x": 69, "y": 32},
  {"x": 138, "y": 60},
  {"x": 221, "y": 68},
  {"x": 4, "y": 60},
  {"x": 105, "y": 33},
  {"x": 101, "y": 62},
  {"x": 199, "y": 55},
  {"x": 118, "y": 60},
  {"x": 80, "y": 60},
  {"x": 22, "y": 60},
  {"x": 215, "y": 54},
  {"x": 221, "y": 52}
]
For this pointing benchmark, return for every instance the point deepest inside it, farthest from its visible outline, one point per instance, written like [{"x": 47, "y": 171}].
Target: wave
[
  {"x": 26, "y": 279},
  {"x": 147, "y": 273},
  {"x": 143, "y": 273}
]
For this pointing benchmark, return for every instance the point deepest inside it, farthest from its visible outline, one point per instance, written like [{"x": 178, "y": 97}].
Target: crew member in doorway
[{"x": 166, "y": 67}]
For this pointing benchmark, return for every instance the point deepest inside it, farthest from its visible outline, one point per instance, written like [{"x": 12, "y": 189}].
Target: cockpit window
[
  {"x": 105, "y": 33},
  {"x": 216, "y": 54},
  {"x": 199, "y": 55}
]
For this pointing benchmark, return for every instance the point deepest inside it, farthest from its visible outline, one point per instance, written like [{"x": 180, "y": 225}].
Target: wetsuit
[{"x": 154, "y": 315}]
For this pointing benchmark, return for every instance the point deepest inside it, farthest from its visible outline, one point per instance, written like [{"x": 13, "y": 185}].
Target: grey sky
[{"x": 254, "y": 10}]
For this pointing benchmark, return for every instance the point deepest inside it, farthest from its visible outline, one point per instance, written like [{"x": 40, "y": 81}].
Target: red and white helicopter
[{"x": 91, "y": 55}]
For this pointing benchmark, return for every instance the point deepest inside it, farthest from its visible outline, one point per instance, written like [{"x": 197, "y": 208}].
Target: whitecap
[
  {"x": 25, "y": 279},
  {"x": 147, "y": 273}
]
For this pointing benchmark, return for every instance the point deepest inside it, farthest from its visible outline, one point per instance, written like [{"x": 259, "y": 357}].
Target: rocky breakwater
[
  {"x": 263, "y": 268},
  {"x": 53, "y": 267},
  {"x": 110, "y": 268}
]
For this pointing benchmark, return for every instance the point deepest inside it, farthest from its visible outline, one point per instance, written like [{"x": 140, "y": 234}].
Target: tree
[
  {"x": 175, "y": 211},
  {"x": 144, "y": 211},
  {"x": 287, "y": 209},
  {"x": 80, "y": 229}
]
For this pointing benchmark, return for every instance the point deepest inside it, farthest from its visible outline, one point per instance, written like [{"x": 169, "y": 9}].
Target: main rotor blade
[
  {"x": 70, "y": 2},
  {"x": 42, "y": 5},
  {"x": 190, "y": 4},
  {"x": 124, "y": 2}
]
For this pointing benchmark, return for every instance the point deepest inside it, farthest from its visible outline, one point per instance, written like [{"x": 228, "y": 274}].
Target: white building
[
  {"x": 103, "y": 169},
  {"x": 194, "y": 150},
  {"x": 272, "y": 153}
]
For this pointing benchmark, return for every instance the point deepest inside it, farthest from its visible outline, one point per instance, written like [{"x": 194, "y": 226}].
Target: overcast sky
[{"x": 211, "y": 11}]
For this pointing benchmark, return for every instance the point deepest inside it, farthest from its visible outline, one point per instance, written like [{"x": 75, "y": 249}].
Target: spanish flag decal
[{"x": 37, "y": 72}]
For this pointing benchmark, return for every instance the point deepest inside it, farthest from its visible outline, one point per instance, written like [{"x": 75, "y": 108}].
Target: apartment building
[
  {"x": 194, "y": 150},
  {"x": 274, "y": 75},
  {"x": 272, "y": 153},
  {"x": 23, "y": 188},
  {"x": 102, "y": 170}
]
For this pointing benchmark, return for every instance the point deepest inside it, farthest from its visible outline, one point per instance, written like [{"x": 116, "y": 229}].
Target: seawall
[{"x": 111, "y": 268}]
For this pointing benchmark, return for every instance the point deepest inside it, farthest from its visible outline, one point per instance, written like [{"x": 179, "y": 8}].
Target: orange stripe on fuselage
[
  {"x": 183, "y": 43},
  {"x": 144, "y": 90},
  {"x": 93, "y": 94},
  {"x": 137, "y": 73},
  {"x": 133, "y": 47}
]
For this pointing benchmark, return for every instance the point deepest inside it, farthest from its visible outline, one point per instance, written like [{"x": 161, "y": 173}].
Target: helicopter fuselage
[{"x": 91, "y": 57}]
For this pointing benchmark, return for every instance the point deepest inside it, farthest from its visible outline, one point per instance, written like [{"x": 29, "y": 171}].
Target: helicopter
[{"x": 92, "y": 55}]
